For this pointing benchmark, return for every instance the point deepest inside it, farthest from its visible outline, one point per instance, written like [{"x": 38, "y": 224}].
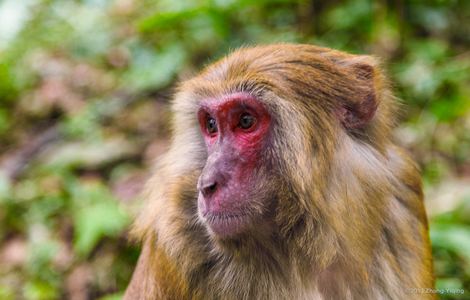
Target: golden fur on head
[{"x": 349, "y": 220}]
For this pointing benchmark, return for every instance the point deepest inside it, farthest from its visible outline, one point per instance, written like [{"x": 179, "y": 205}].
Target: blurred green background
[{"x": 84, "y": 93}]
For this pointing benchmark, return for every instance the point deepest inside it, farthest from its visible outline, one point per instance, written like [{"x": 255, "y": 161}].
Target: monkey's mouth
[{"x": 226, "y": 225}]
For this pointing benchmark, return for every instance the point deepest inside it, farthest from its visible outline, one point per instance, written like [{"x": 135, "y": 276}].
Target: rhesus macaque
[{"x": 283, "y": 182}]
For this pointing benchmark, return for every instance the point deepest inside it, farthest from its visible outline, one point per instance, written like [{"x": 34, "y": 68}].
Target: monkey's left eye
[
  {"x": 246, "y": 121},
  {"x": 211, "y": 125}
]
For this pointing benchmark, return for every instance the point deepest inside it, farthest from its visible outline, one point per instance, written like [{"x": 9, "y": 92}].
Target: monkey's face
[{"x": 235, "y": 129}]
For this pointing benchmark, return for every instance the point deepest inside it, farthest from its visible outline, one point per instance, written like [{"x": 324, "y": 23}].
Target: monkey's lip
[{"x": 226, "y": 224}]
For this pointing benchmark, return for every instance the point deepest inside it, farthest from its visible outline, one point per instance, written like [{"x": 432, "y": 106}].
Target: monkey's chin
[{"x": 226, "y": 225}]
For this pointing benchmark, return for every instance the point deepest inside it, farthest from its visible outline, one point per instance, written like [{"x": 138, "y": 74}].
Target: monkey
[{"x": 283, "y": 181}]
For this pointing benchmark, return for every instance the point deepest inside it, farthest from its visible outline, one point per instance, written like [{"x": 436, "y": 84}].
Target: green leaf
[
  {"x": 166, "y": 20},
  {"x": 97, "y": 216},
  {"x": 40, "y": 254},
  {"x": 8, "y": 89},
  {"x": 151, "y": 69},
  {"x": 38, "y": 290},
  {"x": 116, "y": 296},
  {"x": 453, "y": 237},
  {"x": 6, "y": 292}
]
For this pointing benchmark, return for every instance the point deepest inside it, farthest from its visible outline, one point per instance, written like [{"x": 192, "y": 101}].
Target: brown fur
[{"x": 349, "y": 219}]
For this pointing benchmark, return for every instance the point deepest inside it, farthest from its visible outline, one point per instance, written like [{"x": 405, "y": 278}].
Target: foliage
[{"x": 84, "y": 90}]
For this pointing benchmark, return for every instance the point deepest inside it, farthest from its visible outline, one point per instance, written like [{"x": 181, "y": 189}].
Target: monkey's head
[{"x": 266, "y": 123}]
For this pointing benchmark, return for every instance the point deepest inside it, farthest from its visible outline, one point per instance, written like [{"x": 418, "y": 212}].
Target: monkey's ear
[{"x": 358, "y": 109}]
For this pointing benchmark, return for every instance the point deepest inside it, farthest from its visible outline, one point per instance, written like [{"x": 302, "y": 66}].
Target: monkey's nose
[{"x": 210, "y": 181}]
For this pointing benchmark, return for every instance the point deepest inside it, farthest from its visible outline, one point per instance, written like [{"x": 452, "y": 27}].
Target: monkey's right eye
[{"x": 211, "y": 125}]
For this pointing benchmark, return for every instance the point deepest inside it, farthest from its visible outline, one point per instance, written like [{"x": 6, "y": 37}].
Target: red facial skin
[{"x": 227, "y": 182}]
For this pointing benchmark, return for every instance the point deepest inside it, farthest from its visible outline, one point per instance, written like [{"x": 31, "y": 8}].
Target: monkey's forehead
[
  {"x": 281, "y": 68},
  {"x": 270, "y": 57}
]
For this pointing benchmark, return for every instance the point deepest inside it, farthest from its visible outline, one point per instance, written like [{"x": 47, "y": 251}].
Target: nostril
[
  {"x": 212, "y": 187},
  {"x": 209, "y": 189}
]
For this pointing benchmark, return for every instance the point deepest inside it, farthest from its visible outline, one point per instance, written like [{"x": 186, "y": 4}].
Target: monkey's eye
[
  {"x": 246, "y": 121},
  {"x": 211, "y": 125}
]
